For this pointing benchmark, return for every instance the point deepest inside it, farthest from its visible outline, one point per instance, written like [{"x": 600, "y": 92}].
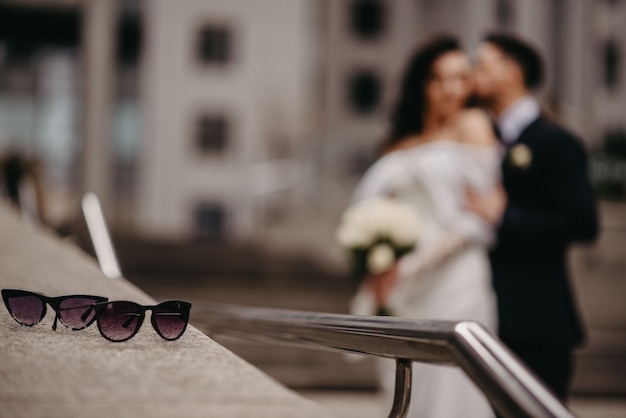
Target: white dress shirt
[{"x": 517, "y": 117}]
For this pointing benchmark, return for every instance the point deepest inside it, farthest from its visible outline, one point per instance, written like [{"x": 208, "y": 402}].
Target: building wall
[
  {"x": 609, "y": 99},
  {"x": 264, "y": 91},
  {"x": 286, "y": 94},
  {"x": 406, "y": 24}
]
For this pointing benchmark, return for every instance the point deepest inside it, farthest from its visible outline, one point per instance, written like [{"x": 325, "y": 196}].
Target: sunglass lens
[
  {"x": 118, "y": 321},
  {"x": 26, "y": 309},
  {"x": 170, "y": 319},
  {"x": 77, "y": 312}
]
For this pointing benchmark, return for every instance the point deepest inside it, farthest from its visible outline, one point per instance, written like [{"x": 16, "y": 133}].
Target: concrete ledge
[{"x": 79, "y": 373}]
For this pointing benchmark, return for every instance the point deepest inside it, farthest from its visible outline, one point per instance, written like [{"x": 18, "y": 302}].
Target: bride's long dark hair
[{"x": 407, "y": 117}]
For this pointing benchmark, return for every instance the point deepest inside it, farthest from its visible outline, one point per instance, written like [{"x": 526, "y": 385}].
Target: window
[
  {"x": 128, "y": 39},
  {"x": 504, "y": 13},
  {"x": 209, "y": 219},
  {"x": 365, "y": 91},
  {"x": 611, "y": 64},
  {"x": 212, "y": 133},
  {"x": 214, "y": 45},
  {"x": 367, "y": 18}
]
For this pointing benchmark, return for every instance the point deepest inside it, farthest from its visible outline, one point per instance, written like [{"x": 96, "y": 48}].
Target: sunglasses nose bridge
[
  {"x": 153, "y": 321},
  {"x": 55, "y": 304}
]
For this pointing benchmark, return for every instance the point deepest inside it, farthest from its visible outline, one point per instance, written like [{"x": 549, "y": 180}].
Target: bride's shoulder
[
  {"x": 473, "y": 126},
  {"x": 388, "y": 162}
]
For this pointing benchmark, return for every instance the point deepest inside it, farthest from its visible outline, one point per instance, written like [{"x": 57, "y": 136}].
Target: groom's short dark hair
[{"x": 525, "y": 55}]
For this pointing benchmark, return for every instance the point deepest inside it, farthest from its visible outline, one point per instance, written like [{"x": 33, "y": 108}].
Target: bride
[{"x": 439, "y": 153}]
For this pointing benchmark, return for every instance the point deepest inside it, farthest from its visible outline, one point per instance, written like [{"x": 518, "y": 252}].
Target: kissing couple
[{"x": 502, "y": 191}]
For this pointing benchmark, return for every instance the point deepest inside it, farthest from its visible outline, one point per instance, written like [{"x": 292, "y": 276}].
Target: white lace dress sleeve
[{"x": 447, "y": 179}]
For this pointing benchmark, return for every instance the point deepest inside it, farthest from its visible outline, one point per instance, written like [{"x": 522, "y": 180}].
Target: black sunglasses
[
  {"x": 120, "y": 320},
  {"x": 29, "y": 308}
]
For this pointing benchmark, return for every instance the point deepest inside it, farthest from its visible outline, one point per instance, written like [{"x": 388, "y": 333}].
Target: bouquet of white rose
[{"x": 376, "y": 233}]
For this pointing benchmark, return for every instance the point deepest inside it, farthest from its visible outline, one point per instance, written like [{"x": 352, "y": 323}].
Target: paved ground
[{"x": 370, "y": 405}]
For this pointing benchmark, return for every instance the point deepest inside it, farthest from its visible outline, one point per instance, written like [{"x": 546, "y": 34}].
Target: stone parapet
[{"x": 66, "y": 373}]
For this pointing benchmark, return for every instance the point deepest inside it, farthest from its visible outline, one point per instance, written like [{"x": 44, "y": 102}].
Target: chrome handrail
[{"x": 510, "y": 387}]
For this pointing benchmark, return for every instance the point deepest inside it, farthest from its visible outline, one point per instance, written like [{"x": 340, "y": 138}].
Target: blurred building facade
[
  {"x": 299, "y": 100},
  {"x": 252, "y": 120},
  {"x": 227, "y": 119},
  {"x": 227, "y": 92}
]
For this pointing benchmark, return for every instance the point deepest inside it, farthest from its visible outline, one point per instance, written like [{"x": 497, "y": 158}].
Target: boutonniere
[{"x": 520, "y": 156}]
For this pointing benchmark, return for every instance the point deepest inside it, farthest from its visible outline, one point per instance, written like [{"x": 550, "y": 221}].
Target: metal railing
[
  {"x": 100, "y": 237},
  {"x": 509, "y": 386}
]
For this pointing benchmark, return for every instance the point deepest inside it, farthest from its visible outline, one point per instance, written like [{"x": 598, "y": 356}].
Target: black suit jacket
[{"x": 551, "y": 204}]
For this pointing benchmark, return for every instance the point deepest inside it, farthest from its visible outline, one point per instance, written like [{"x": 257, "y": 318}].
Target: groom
[{"x": 548, "y": 205}]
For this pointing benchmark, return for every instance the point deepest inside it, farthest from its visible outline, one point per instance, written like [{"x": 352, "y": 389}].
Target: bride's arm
[
  {"x": 375, "y": 290},
  {"x": 465, "y": 227}
]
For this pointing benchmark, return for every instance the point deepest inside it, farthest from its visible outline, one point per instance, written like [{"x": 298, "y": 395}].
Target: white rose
[
  {"x": 351, "y": 236},
  {"x": 404, "y": 229},
  {"x": 366, "y": 222},
  {"x": 380, "y": 258},
  {"x": 355, "y": 229}
]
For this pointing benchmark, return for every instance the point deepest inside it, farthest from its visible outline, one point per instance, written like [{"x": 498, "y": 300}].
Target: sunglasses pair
[
  {"x": 117, "y": 321},
  {"x": 29, "y": 308},
  {"x": 120, "y": 321}
]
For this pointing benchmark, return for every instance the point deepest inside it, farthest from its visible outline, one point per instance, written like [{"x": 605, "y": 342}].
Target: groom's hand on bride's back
[{"x": 490, "y": 206}]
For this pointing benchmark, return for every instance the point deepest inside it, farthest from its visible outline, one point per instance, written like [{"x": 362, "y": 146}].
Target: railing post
[
  {"x": 402, "y": 391},
  {"x": 99, "y": 233}
]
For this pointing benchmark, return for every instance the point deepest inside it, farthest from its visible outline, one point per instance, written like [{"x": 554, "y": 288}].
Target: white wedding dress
[{"x": 434, "y": 178}]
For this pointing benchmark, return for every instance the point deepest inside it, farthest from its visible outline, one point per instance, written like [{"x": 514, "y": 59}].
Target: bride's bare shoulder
[{"x": 473, "y": 126}]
